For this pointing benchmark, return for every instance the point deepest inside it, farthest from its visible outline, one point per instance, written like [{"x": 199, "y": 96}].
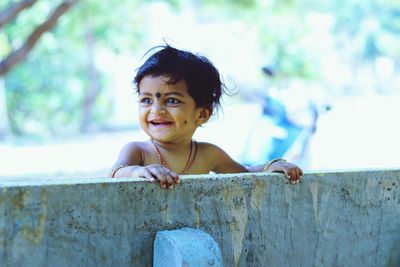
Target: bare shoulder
[
  {"x": 210, "y": 149},
  {"x": 132, "y": 153},
  {"x": 135, "y": 145},
  {"x": 218, "y": 160}
]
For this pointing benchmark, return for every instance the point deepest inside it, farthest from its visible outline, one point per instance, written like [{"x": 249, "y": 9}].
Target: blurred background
[{"x": 316, "y": 82}]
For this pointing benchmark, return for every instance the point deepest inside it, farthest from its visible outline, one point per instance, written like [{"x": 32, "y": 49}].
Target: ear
[{"x": 203, "y": 115}]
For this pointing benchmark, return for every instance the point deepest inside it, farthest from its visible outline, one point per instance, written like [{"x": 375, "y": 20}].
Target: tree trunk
[
  {"x": 4, "y": 121},
  {"x": 13, "y": 10},
  {"x": 20, "y": 54},
  {"x": 93, "y": 87}
]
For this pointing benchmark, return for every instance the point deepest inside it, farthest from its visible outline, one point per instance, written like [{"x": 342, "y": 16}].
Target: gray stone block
[
  {"x": 336, "y": 218},
  {"x": 186, "y": 247}
]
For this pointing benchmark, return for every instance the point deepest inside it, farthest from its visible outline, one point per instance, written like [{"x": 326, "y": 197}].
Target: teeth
[{"x": 158, "y": 123}]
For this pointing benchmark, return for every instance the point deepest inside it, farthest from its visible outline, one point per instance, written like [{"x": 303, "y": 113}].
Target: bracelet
[
  {"x": 114, "y": 170},
  {"x": 269, "y": 163}
]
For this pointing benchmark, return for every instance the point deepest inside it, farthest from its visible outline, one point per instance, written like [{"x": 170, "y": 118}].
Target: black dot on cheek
[{"x": 185, "y": 122}]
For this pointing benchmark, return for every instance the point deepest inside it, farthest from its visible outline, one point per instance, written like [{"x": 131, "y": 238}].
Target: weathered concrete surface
[{"x": 349, "y": 218}]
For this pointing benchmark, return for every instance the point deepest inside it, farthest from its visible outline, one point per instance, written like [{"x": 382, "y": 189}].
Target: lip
[{"x": 160, "y": 122}]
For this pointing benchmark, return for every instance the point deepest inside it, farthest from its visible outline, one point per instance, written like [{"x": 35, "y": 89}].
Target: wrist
[
  {"x": 115, "y": 170},
  {"x": 134, "y": 170},
  {"x": 267, "y": 166}
]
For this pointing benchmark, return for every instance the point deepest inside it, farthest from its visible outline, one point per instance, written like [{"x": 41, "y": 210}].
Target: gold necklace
[{"x": 189, "y": 161}]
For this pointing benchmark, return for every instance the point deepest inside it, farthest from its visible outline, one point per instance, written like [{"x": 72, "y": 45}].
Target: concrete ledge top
[
  {"x": 38, "y": 181},
  {"x": 332, "y": 218}
]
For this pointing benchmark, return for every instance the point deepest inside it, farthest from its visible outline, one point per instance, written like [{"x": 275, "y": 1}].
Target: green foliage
[
  {"x": 46, "y": 93},
  {"x": 43, "y": 94},
  {"x": 373, "y": 26},
  {"x": 282, "y": 28},
  {"x": 114, "y": 24}
]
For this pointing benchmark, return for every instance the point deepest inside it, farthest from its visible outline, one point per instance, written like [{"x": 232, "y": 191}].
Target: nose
[{"x": 157, "y": 108}]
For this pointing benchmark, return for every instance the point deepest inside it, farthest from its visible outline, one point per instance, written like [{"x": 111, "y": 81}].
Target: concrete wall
[{"x": 349, "y": 218}]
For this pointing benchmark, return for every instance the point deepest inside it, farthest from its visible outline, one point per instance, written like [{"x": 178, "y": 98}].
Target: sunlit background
[{"x": 316, "y": 82}]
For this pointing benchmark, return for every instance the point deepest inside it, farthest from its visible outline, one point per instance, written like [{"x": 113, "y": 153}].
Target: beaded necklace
[{"x": 189, "y": 162}]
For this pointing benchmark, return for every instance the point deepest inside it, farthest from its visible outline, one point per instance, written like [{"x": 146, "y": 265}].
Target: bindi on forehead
[{"x": 158, "y": 95}]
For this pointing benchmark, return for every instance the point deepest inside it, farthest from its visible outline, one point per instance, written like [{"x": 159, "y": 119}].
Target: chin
[{"x": 160, "y": 137}]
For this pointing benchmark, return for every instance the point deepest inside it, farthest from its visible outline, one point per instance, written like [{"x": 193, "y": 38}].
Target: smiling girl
[{"x": 178, "y": 92}]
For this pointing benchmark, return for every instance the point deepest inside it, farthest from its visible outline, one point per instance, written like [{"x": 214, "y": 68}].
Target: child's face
[{"x": 167, "y": 112}]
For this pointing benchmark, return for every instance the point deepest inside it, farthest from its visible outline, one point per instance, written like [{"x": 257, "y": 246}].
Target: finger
[
  {"x": 148, "y": 176},
  {"x": 158, "y": 173},
  {"x": 298, "y": 173},
  {"x": 293, "y": 174},
  {"x": 174, "y": 177},
  {"x": 159, "y": 176},
  {"x": 163, "y": 183},
  {"x": 165, "y": 180},
  {"x": 287, "y": 173},
  {"x": 292, "y": 181},
  {"x": 170, "y": 181}
]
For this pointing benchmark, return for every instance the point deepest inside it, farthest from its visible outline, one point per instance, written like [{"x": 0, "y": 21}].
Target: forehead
[{"x": 151, "y": 84}]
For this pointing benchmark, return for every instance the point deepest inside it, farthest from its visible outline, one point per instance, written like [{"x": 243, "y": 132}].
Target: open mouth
[{"x": 160, "y": 123}]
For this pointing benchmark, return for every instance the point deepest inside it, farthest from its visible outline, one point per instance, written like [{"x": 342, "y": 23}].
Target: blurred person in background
[{"x": 287, "y": 123}]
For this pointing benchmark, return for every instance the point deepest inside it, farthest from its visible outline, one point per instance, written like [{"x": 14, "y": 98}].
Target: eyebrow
[
  {"x": 166, "y": 94},
  {"x": 174, "y": 93},
  {"x": 144, "y": 93}
]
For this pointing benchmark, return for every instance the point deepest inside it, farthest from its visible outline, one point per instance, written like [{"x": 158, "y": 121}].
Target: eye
[
  {"x": 172, "y": 101},
  {"x": 146, "y": 100}
]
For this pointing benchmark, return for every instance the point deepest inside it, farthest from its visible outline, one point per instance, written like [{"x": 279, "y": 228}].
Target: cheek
[
  {"x": 185, "y": 118},
  {"x": 142, "y": 115}
]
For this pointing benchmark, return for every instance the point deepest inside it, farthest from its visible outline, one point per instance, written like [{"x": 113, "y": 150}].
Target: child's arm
[
  {"x": 130, "y": 156},
  {"x": 220, "y": 161},
  {"x": 292, "y": 171},
  {"x": 130, "y": 164},
  {"x": 225, "y": 164}
]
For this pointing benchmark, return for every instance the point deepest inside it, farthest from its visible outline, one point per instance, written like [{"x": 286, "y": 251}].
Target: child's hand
[
  {"x": 158, "y": 172},
  {"x": 292, "y": 171}
]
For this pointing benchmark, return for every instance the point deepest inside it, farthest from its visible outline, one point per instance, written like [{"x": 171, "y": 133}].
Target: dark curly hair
[{"x": 202, "y": 78}]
